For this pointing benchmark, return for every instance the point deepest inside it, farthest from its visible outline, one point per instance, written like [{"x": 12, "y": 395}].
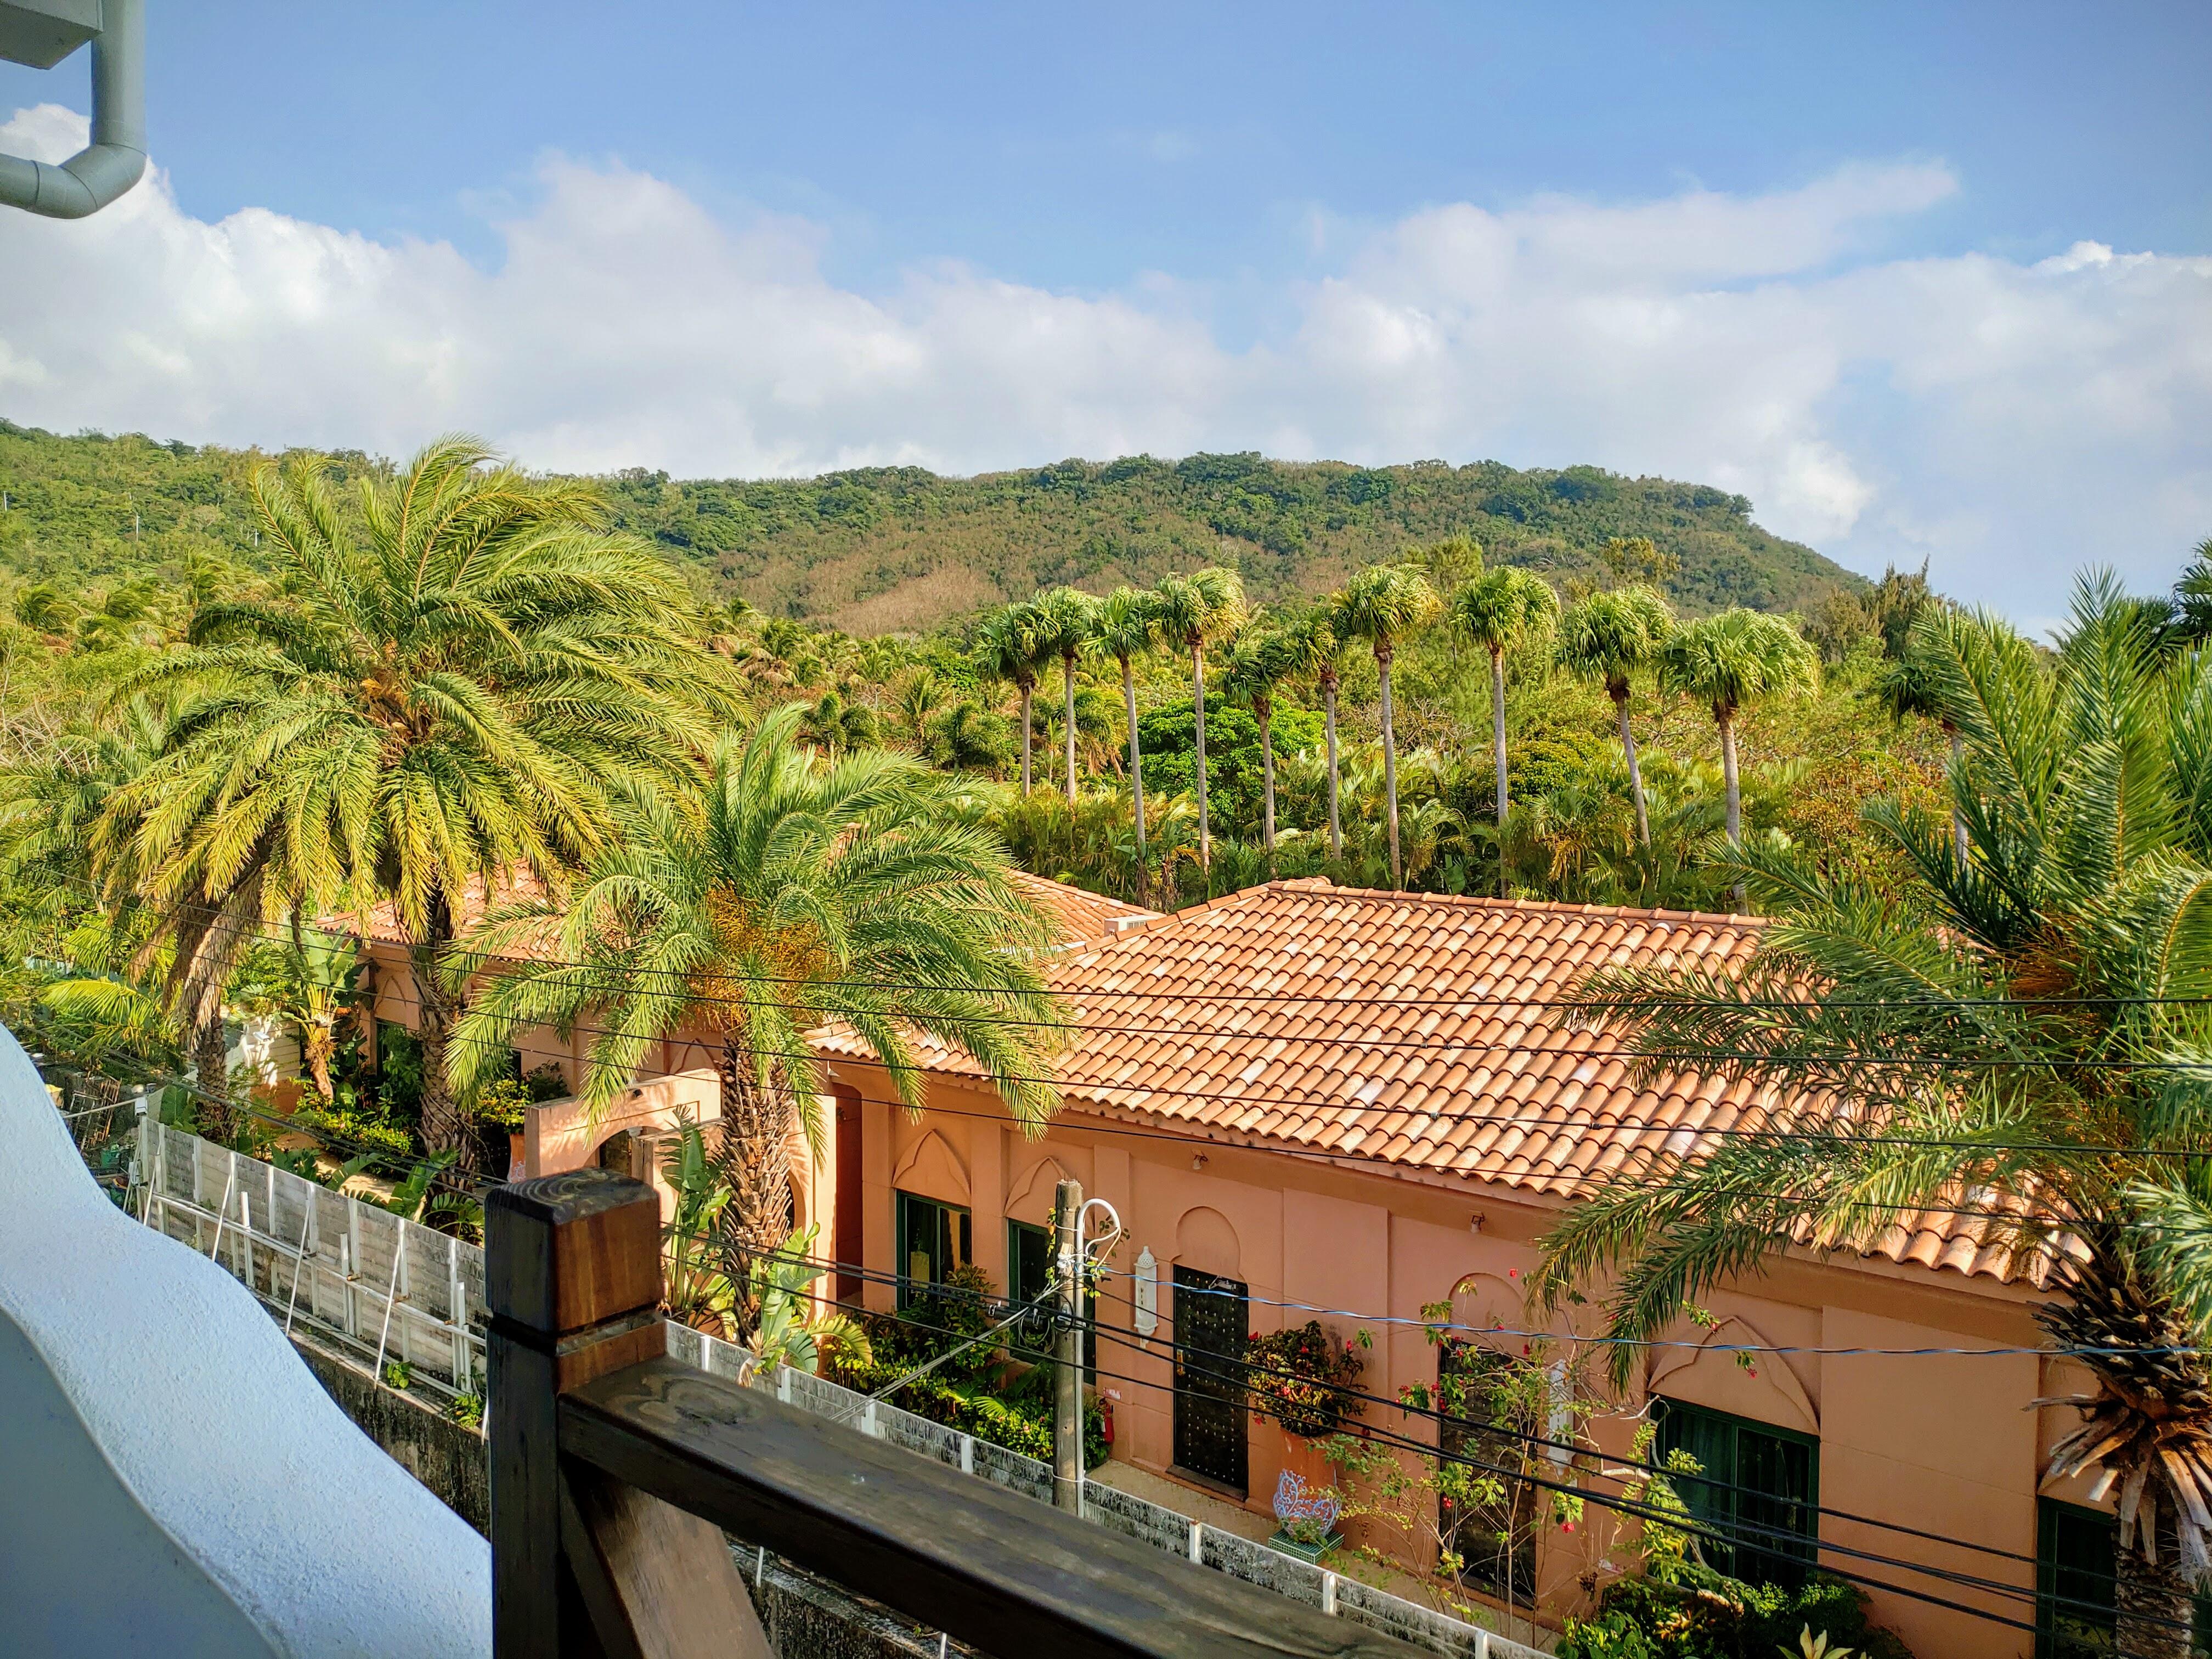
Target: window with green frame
[
  {"x": 2075, "y": 1555},
  {"x": 1755, "y": 1482},
  {"x": 933, "y": 1239},
  {"x": 1029, "y": 1270}
]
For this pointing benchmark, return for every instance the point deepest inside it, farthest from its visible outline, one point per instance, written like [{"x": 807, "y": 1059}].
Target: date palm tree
[
  {"x": 1195, "y": 611},
  {"x": 1312, "y": 650},
  {"x": 1729, "y": 661},
  {"x": 443, "y": 692},
  {"x": 1383, "y": 604},
  {"x": 1065, "y": 619},
  {"x": 1128, "y": 626},
  {"x": 2022, "y": 1034},
  {"x": 1259, "y": 659},
  {"x": 791, "y": 894},
  {"x": 1008, "y": 647},
  {"x": 1500, "y": 610},
  {"x": 1610, "y": 637}
]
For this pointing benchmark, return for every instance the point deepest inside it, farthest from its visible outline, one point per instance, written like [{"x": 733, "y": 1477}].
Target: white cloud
[{"x": 2007, "y": 420}]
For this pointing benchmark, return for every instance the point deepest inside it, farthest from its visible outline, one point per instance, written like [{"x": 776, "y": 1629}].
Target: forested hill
[{"x": 887, "y": 548}]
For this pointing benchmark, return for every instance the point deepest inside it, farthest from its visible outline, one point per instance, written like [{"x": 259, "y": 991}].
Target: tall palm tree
[
  {"x": 1128, "y": 626},
  {"x": 1312, "y": 649},
  {"x": 1195, "y": 611},
  {"x": 1729, "y": 661},
  {"x": 1008, "y": 648},
  {"x": 445, "y": 692},
  {"x": 1907, "y": 687},
  {"x": 1065, "y": 619},
  {"x": 1382, "y": 605},
  {"x": 1259, "y": 659},
  {"x": 1611, "y": 637},
  {"x": 1993, "y": 1033},
  {"x": 791, "y": 895},
  {"x": 1500, "y": 610}
]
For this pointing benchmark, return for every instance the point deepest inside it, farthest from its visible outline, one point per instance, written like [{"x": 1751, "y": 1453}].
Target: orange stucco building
[{"x": 1310, "y": 1101}]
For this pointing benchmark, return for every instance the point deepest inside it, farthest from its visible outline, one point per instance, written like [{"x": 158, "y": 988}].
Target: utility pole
[{"x": 1068, "y": 1367}]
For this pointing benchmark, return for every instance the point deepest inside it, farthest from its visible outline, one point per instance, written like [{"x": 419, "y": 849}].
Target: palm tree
[
  {"x": 1128, "y": 626},
  {"x": 1065, "y": 619},
  {"x": 1008, "y": 648},
  {"x": 1311, "y": 647},
  {"x": 1498, "y": 610},
  {"x": 791, "y": 895},
  {"x": 1610, "y": 637},
  {"x": 1907, "y": 687},
  {"x": 834, "y": 724},
  {"x": 446, "y": 692},
  {"x": 1195, "y": 611},
  {"x": 916, "y": 700},
  {"x": 1729, "y": 661},
  {"x": 1382, "y": 605},
  {"x": 2022, "y": 1035},
  {"x": 1259, "y": 659}
]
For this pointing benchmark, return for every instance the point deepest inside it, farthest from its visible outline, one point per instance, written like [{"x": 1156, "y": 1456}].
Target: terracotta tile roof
[
  {"x": 1411, "y": 1030},
  {"x": 383, "y": 920},
  {"x": 1081, "y": 914}
]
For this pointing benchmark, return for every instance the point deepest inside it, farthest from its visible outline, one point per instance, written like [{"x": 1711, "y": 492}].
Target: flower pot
[
  {"x": 1313, "y": 1551},
  {"x": 514, "y": 1155}
]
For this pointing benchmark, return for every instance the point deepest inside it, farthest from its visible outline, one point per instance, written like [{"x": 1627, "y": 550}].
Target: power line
[{"x": 1746, "y": 1534}]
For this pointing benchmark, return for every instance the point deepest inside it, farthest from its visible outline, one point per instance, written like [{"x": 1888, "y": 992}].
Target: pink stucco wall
[{"x": 1949, "y": 1446}]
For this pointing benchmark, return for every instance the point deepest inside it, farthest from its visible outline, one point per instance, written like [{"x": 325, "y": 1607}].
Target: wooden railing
[{"x": 616, "y": 1473}]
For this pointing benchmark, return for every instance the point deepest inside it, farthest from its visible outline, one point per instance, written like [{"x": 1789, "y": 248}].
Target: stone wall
[{"x": 447, "y": 1458}]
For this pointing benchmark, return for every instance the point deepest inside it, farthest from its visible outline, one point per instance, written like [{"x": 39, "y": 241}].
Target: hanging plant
[{"x": 1301, "y": 1376}]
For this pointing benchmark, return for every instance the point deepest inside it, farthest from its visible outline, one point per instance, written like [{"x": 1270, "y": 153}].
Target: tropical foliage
[{"x": 2020, "y": 1033}]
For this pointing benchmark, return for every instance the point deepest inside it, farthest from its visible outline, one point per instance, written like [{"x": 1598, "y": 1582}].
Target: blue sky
[{"x": 1207, "y": 227}]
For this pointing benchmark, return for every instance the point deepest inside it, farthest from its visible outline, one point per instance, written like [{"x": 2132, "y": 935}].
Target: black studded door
[{"x": 1210, "y": 1329}]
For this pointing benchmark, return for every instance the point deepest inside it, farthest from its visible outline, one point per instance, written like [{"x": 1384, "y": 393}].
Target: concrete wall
[{"x": 449, "y": 1459}]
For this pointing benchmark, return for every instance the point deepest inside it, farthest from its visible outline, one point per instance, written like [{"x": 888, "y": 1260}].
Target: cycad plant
[
  {"x": 450, "y": 682},
  {"x": 1500, "y": 610},
  {"x": 1064, "y": 619},
  {"x": 2021, "y": 1037},
  {"x": 1128, "y": 625},
  {"x": 1383, "y": 605},
  {"x": 1727, "y": 662},
  {"x": 1195, "y": 611},
  {"x": 1610, "y": 637},
  {"x": 1009, "y": 648},
  {"x": 789, "y": 895}
]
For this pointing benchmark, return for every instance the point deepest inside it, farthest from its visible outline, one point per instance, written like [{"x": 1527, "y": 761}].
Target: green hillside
[{"x": 898, "y": 548}]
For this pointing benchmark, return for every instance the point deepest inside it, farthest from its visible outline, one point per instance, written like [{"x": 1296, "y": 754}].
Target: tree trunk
[
  {"x": 1329, "y": 707},
  {"x": 754, "y": 1160},
  {"x": 1958, "y": 821},
  {"x": 1067, "y": 688},
  {"x": 1265, "y": 709},
  {"x": 317, "y": 1043},
  {"x": 1725, "y": 718},
  {"x": 2153, "y": 1604},
  {"x": 1635, "y": 770},
  {"x": 1136, "y": 768},
  {"x": 1198, "y": 717},
  {"x": 1025, "y": 740},
  {"x": 446, "y": 1124},
  {"x": 1498, "y": 747},
  {"x": 211, "y": 1072},
  {"x": 1389, "y": 766}
]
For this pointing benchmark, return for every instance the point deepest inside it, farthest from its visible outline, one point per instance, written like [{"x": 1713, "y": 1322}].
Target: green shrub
[
  {"x": 1685, "y": 1611},
  {"x": 501, "y": 1103}
]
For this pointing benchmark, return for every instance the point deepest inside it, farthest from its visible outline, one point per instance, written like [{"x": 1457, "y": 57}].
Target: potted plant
[{"x": 500, "y": 1106}]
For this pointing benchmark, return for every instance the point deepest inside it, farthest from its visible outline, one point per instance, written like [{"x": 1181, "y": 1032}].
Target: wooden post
[
  {"x": 581, "y": 1564},
  {"x": 1067, "y": 1368}
]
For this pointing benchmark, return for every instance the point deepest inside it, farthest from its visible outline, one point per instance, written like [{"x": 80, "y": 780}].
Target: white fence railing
[
  {"x": 384, "y": 1288},
  {"x": 373, "y": 1283}
]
